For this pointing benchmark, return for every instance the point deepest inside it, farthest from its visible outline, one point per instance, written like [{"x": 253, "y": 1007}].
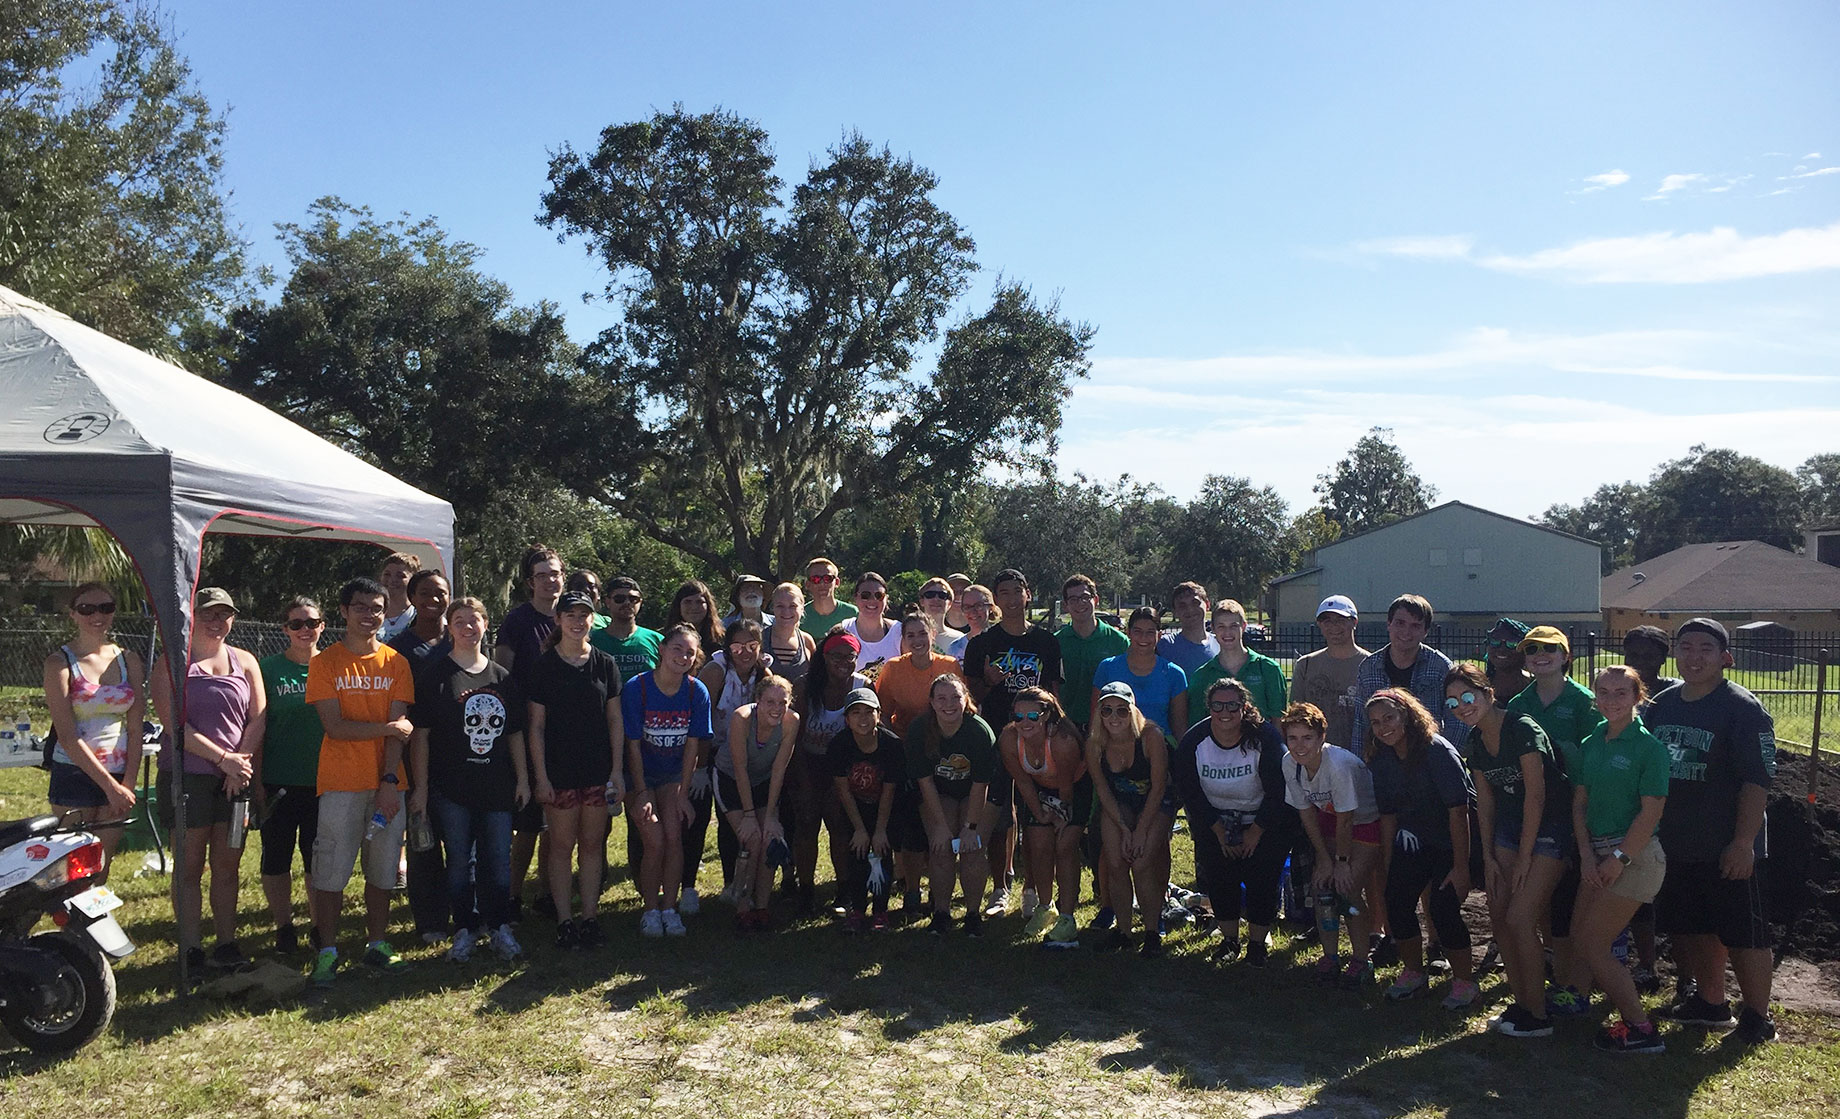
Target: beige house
[{"x": 1735, "y": 581}]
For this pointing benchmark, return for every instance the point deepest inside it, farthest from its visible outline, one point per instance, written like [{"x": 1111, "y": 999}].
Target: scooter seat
[{"x": 18, "y": 831}]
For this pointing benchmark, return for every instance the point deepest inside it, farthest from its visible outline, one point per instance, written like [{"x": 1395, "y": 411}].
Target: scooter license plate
[{"x": 96, "y": 902}]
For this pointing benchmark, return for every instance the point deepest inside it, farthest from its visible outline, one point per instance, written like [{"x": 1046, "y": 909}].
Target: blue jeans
[{"x": 478, "y": 846}]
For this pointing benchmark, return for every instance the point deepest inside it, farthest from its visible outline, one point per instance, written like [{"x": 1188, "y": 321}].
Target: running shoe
[
  {"x": 911, "y": 904},
  {"x": 1621, "y": 1037},
  {"x": 1695, "y": 1011},
  {"x": 852, "y": 924},
  {"x": 1152, "y": 947},
  {"x": 505, "y": 944},
  {"x": 227, "y": 956},
  {"x": 1255, "y": 953},
  {"x": 1030, "y": 902},
  {"x": 325, "y": 967},
  {"x": 974, "y": 924},
  {"x": 878, "y": 923},
  {"x": 673, "y": 924},
  {"x": 1567, "y": 1002},
  {"x": 1385, "y": 952},
  {"x": 1104, "y": 919},
  {"x": 1043, "y": 919},
  {"x": 1491, "y": 959},
  {"x": 1113, "y": 940},
  {"x": 1518, "y": 1021},
  {"x": 1357, "y": 976},
  {"x": 1755, "y": 1027},
  {"x": 1462, "y": 995},
  {"x": 1065, "y": 930},
  {"x": 1226, "y": 951},
  {"x": 461, "y": 950},
  {"x": 689, "y": 903},
  {"x": 651, "y": 924},
  {"x": 1329, "y": 968},
  {"x": 1409, "y": 983},
  {"x": 287, "y": 940},
  {"x": 568, "y": 937},
  {"x": 379, "y": 956},
  {"x": 1647, "y": 982},
  {"x": 939, "y": 924},
  {"x": 1436, "y": 959},
  {"x": 588, "y": 931},
  {"x": 999, "y": 903}
]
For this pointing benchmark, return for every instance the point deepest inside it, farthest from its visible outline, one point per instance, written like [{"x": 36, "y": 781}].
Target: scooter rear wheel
[{"x": 81, "y": 1004}]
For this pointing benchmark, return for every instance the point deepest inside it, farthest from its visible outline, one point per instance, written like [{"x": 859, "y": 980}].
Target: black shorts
[
  {"x": 1696, "y": 901},
  {"x": 1001, "y": 791},
  {"x": 728, "y": 793},
  {"x": 72, "y": 788},
  {"x": 906, "y": 830},
  {"x": 293, "y": 822},
  {"x": 529, "y": 820},
  {"x": 206, "y": 803}
]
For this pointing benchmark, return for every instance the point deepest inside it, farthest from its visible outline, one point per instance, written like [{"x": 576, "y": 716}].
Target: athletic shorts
[
  {"x": 344, "y": 817},
  {"x": 206, "y": 803},
  {"x": 1695, "y": 901},
  {"x": 529, "y": 820},
  {"x": 72, "y": 788},
  {"x": 1368, "y": 833},
  {"x": 728, "y": 796},
  {"x": 567, "y": 800}
]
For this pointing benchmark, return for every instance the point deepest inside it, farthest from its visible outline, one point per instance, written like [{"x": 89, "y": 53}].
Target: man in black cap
[
  {"x": 1646, "y": 649},
  {"x": 1713, "y": 831}
]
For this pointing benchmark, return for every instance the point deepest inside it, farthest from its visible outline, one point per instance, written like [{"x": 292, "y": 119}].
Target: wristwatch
[
  {"x": 389, "y": 778},
  {"x": 1341, "y": 858},
  {"x": 1617, "y": 854}
]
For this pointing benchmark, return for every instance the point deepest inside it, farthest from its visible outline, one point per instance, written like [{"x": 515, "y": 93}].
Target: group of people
[{"x": 938, "y": 745}]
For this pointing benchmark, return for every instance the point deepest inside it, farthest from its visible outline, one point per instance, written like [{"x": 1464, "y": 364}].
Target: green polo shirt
[
  {"x": 1263, "y": 677},
  {"x": 1080, "y": 657},
  {"x": 1566, "y": 720}
]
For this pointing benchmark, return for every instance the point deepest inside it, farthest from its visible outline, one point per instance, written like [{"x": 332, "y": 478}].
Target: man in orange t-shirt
[{"x": 362, "y": 690}]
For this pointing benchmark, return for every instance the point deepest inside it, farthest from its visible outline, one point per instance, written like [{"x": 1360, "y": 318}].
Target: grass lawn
[{"x": 809, "y": 1022}]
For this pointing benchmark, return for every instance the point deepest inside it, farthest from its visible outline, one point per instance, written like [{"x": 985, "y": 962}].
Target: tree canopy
[
  {"x": 1608, "y": 516},
  {"x": 771, "y": 341},
  {"x": 1372, "y": 486}
]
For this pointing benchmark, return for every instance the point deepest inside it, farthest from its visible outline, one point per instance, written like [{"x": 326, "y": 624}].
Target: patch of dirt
[{"x": 1803, "y": 875}]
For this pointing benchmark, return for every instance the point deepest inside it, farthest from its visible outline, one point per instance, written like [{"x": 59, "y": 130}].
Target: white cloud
[
  {"x": 1674, "y": 183},
  {"x": 1721, "y": 253},
  {"x": 1800, "y": 173},
  {"x": 1812, "y": 155},
  {"x": 1605, "y": 181}
]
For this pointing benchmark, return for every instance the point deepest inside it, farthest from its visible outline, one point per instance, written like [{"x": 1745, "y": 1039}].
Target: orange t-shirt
[
  {"x": 365, "y": 686},
  {"x": 905, "y": 688}
]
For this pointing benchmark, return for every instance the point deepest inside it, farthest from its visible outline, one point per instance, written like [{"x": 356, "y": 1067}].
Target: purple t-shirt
[{"x": 217, "y": 707}]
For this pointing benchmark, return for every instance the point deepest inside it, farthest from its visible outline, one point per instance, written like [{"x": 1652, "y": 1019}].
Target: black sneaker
[
  {"x": 974, "y": 923},
  {"x": 1255, "y": 954},
  {"x": 1113, "y": 940},
  {"x": 1621, "y": 1037},
  {"x": 1152, "y": 946},
  {"x": 567, "y": 936},
  {"x": 227, "y": 956},
  {"x": 1755, "y": 1027},
  {"x": 1518, "y": 1021},
  {"x": 1647, "y": 982},
  {"x": 1685, "y": 987},
  {"x": 1436, "y": 959},
  {"x": 195, "y": 963},
  {"x": 287, "y": 940},
  {"x": 1385, "y": 953},
  {"x": 588, "y": 933},
  {"x": 1695, "y": 1011},
  {"x": 939, "y": 924},
  {"x": 1228, "y": 950}
]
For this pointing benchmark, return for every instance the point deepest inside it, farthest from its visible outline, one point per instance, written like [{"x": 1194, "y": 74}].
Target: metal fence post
[{"x": 1814, "y": 743}]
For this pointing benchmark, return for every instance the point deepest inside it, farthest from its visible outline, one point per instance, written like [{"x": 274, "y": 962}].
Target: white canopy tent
[{"x": 94, "y": 433}]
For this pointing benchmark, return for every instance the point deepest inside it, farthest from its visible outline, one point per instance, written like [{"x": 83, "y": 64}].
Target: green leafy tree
[
  {"x": 1309, "y": 530},
  {"x": 1609, "y": 516},
  {"x": 1819, "y": 479},
  {"x": 1232, "y": 538},
  {"x": 387, "y": 340},
  {"x": 771, "y": 341},
  {"x": 1373, "y": 486},
  {"x": 1712, "y": 495},
  {"x": 111, "y": 199}
]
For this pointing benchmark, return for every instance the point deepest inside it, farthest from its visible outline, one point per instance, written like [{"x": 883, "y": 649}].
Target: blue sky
[{"x": 1550, "y": 247}]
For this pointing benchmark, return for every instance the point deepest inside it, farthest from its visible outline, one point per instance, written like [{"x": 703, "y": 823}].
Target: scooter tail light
[{"x": 84, "y": 862}]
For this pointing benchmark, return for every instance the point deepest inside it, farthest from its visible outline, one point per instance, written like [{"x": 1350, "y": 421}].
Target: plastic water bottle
[
  {"x": 239, "y": 821},
  {"x": 379, "y": 822},
  {"x": 22, "y": 729},
  {"x": 9, "y": 744}
]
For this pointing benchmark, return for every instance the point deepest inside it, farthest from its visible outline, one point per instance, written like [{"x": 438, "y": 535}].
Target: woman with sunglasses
[
  {"x": 1425, "y": 797},
  {"x": 786, "y": 641},
  {"x": 693, "y": 605},
  {"x": 290, "y": 766},
  {"x": 218, "y": 749},
  {"x": 575, "y": 734},
  {"x": 951, "y": 757},
  {"x": 96, "y": 692},
  {"x": 1041, "y": 749},
  {"x": 935, "y": 602},
  {"x": 980, "y": 609},
  {"x": 1128, "y": 756},
  {"x": 905, "y": 683},
  {"x": 821, "y": 703},
  {"x": 1333, "y": 793},
  {"x": 881, "y": 640},
  {"x": 1229, "y": 769},
  {"x": 1523, "y": 806}
]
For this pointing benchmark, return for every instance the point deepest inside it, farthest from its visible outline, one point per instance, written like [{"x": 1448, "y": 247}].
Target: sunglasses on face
[
  {"x": 821, "y": 580},
  {"x": 1503, "y": 643},
  {"x": 1113, "y": 711},
  {"x": 1451, "y": 703},
  {"x": 623, "y": 599},
  {"x": 87, "y": 609},
  {"x": 1027, "y": 716},
  {"x": 871, "y": 596},
  {"x": 1543, "y": 647},
  {"x": 935, "y": 593},
  {"x": 1223, "y": 706},
  {"x": 298, "y": 624}
]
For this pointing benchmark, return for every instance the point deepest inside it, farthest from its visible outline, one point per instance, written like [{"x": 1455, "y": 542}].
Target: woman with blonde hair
[
  {"x": 935, "y": 602},
  {"x": 1128, "y": 756},
  {"x": 750, "y": 775},
  {"x": 96, "y": 691}
]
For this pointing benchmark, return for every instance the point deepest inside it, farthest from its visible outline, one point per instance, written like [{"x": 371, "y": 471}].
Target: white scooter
[{"x": 57, "y": 989}]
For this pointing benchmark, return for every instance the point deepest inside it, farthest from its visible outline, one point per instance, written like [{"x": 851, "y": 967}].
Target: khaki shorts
[
  {"x": 344, "y": 817},
  {"x": 1641, "y": 879}
]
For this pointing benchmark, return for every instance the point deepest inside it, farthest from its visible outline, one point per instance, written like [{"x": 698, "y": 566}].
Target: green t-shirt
[
  {"x": 290, "y": 748},
  {"x": 1263, "y": 677},
  {"x": 1080, "y": 657},
  {"x": 965, "y": 759},
  {"x": 1617, "y": 773},
  {"x": 632, "y": 655},
  {"x": 818, "y": 624},
  {"x": 1520, "y": 736},
  {"x": 1565, "y": 720}
]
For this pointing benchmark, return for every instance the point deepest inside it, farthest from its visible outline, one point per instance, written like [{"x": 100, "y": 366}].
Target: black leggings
[
  {"x": 1221, "y": 877},
  {"x": 1406, "y": 878},
  {"x": 293, "y": 823}
]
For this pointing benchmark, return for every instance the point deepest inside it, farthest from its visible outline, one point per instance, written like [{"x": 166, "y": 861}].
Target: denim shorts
[{"x": 1550, "y": 842}]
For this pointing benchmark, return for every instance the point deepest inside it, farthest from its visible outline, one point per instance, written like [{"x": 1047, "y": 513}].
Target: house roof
[
  {"x": 1731, "y": 575},
  {"x": 1434, "y": 509}
]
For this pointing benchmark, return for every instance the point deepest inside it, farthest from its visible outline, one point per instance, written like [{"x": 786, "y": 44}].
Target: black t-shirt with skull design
[{"x": 470, "y": 718}]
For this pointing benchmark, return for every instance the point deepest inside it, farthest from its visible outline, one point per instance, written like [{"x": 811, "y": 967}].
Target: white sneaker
[
  {"x": 1029, "y": 902},
  {"x": 652, "y": 924},
  {"x": 689, "y": 903},
  {"x": 505, "y": 944},
  {"x": 461, "y": 950},
  {"x": 999, "y": 903},
  {"x": 673, "y": 924}
]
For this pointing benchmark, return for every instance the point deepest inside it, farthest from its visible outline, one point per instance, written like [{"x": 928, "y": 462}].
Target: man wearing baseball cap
[
  {"x": 1326, "y": 677},
  {"x": 1714, "y": 833}
]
